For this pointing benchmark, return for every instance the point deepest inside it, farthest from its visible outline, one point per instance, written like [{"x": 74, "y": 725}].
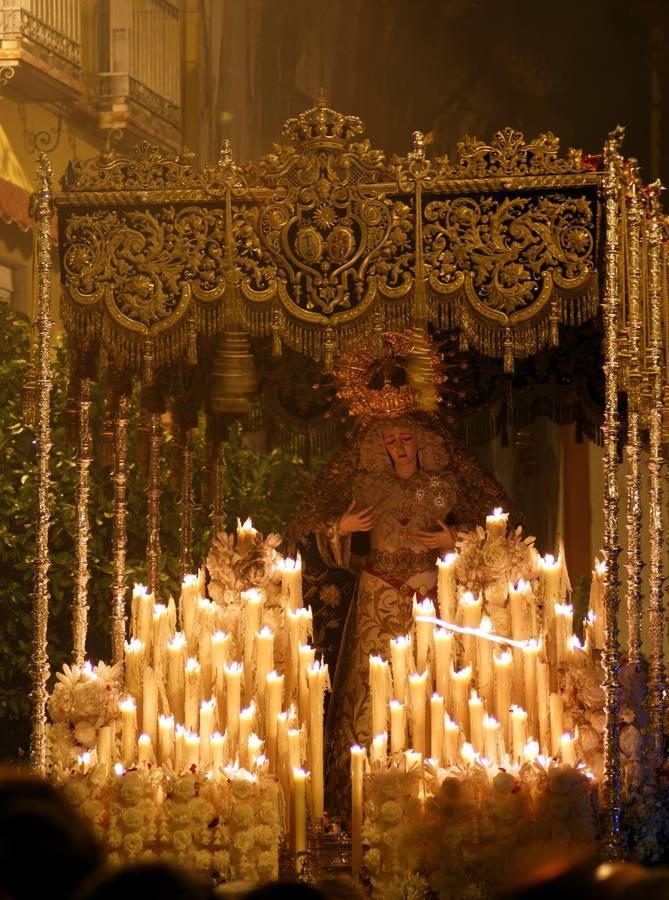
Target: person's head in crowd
[
  {"x": 340, "y": 887},
  {"x": 145, "y": 880},
  {"x": 628, "y": 881},
  {"x": 284, "y": 890},
  {"x": 46, "y": 849}
]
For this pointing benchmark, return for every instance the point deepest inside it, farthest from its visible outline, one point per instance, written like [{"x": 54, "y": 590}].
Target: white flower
[
  {"x": 60, "y": 703},
  {"x": 86, "y": 734}
]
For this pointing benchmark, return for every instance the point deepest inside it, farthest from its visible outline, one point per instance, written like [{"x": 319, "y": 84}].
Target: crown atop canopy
[
  {"x": 402, "y": 380},
  {"x": 322, "y": 125}
]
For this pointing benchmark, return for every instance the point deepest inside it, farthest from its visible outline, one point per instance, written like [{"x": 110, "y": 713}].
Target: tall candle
[
  {"x": 217, "y": 744},
  {"x": 437, "y": 728},
  {"x": 502, "y": 665},
  {"x": 220, "y": 655},
  {"x": 264, "y": 663},
  {"x": 530, "y": 751},
  {"x": 446, "y": 587},
  {"x": 165, "y": 740},
  {"x": 171, "y": 618},
  {"x": 557, "y": 708},
  {"x": 207, "y": 711},
  {"x": 520, "y": 598},
  {"x": 191, "y": 749},
  {"x": 255, "y": 748},
  {"x": 144, "y": 616},
  {"x": 530, "y": 652},
  {"x": 233, "y": 679},
  {"x": 253, "y": 603},
  {"x": 460, "y": 682},
  {"x": 357, "y": 770},
  {"x": 491, "y": 736},
  {"x": 246, "y": 535},
  {"x": 160, "y": 636},
  {"x": 551, "y": 575},
  {"x": 144, "y": 750},
  {"x": 176, "y": 679},
  {"x": 400, "y": 655},
  {"x": 518, "y": 731},
  {"x": 206, "y": 614},
  {"x": 484, "y": 652},
  {"x": 443, "y": 654},
  {"x": 543, "y": 692},
  {"x": 568, "y": 749},
  {"x": 134, "y": 668},
  {"x": 104, "y": 747},
  {"x": 379, "y": 754},
  {"x": 397, "y": 726},
  {"x": 150, "y": 705},
  {"x": 247, "y": 718},
  {"x": 597, "y": 606},
  {"x": 274, "y": 699},
  {"x": 291, "y": 582},
  {"x": 300, "y": 631},
  {"x": 187, "y": 601},
  {"x": 379, "y": 691},
  {"x": 128, "y": 731},
  {"x": 319, "y": 682},
  {"x": 193, "y": 694},
  {"x": 418, "y": 702},
  {"x": 299, "y": 810},
  {"x": 424, "y": 632},
  {"x": 495, "y": 524},
  {"x": 306, "y": 658},
  {"x": 295, "y": 742},
  {"x": 476, "y": 722},
  {"x": 470, "y": 612},
  {"x": 179, "y": 748},
  {"x": 451, "y": 741},
  {"x": 564, "y": 626}
]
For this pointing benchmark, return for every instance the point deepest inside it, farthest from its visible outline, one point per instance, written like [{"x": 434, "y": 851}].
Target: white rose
[
  {"x": 86, "y": 734},
  {"x": 60, "y": 703},
  {"x": 89, "y": 700}
]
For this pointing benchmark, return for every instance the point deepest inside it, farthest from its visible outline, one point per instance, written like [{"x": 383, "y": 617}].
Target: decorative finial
[
  {"x": 225, "y": 157},
  {"x": 321, "y": 101}
]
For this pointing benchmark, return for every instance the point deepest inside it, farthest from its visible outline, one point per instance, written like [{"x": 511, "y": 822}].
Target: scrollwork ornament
[{"x": 82, "y": 530}]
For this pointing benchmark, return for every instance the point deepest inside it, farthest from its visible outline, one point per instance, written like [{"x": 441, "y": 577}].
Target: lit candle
[
  {"x": 443, "y": 654},
  {"x": 144, "y": 750},
  {"x": 451, "y": 741},
  {"x": 187, "y": 601},
  {"x": 179, "y": 748},
  {"x": 502, "y": 664},
  {"x": 468, "y": 754},
  {"x": 397, "y": 726},
  {"x": 476, "y": 721},
  {"x": 171, "y": 618},
  {"x": 306, "y": 658},
  {"x": 460, "y": 682},
  {"x": 568, "y": 749},
  {"x": 206, "y": 614},
  {"x": 437, "y": 728},
  {"x": 319, "y": 682},
  {"x": 300, "y": 631},
  {"x": 484, "y": 652},
  {"x": 274, "y": 700},
  {"x": 491, "y": 736},
  {"x": 191, "y": 749},
  {"x": 207, "y": 711},
  {"x": 400, "y": 651},
  {"x": 299, "y": 810},
  {"x": 556, "y": 711},
  {"x": 520, "y": 598},
  {"x": 495, "y": 524},
  {"x": 357, "y": 770},
  {"x": 551, "y": 576},
  {"x": 264, "y": 663},
  {"x": 255, "y": 748},
  {"x": 519, "y": 732},
  {"x": 418, "y": 701},
  {"x": 530, "y": 651},
  {"x": 233, "y": 679},
  {"x": 543, "y": 692},
  {"x": 246, "y": 535},
  {"x": 295, "y": 742},
  {"x": 379, "y": 691},
  {"x": 165, "y": 740},
  {"x": 379, "y": 756},
  {"x": 176, "y": 680},
  {"x": 470, "y": 611},
  {"x": 413, "y": 761},
  {"x": 446, "y": 587},
  {"x": 134, "y": 668},
  {"x": 247, "y": 719},
  {"x": 104, "y": 747},
  {"x": 142, "y": 603},
  {"x": 424, "y": 632},
  {"x": 217, "y": 744},
  {"x": 291, "y": 582},
  {"x": 564, "y": 625},
  {"x": 128, "y": 730},
  {"x": 150, "y": 705},
  {"x": 253, "y": 603},
  {"x": 220, "y": 655},
  {"x": 597, "y": 606},
  {"x": 160, "y": 636},
  {"x": 193, "y": 693},
  {"x": 530, "y": 751}
]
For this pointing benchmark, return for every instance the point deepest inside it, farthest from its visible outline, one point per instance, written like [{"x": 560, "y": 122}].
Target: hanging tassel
[
  {"x": 107, "y": 450},
  {"x": 328, "y": 351},
  {"x": 276, "y": 333},
  {"x": 508, "y": 351},
  {"x": 191, "y": 352}
]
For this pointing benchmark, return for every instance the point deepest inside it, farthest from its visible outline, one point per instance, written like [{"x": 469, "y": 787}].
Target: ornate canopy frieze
[{"x": 323, "y": 243}]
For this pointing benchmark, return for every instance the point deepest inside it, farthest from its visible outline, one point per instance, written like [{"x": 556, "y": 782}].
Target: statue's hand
[
  {"x": 356, "y": 519},
  {"x": 444, "y": 539}
]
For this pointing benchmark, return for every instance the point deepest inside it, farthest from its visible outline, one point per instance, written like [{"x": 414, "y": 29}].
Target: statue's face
[{"x": 402, "y": 447}]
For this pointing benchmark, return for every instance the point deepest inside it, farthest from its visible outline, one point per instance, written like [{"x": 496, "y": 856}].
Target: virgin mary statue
[{"x": 407, "y": 485}]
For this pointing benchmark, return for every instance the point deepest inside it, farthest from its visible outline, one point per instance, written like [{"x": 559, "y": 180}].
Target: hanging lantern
[{"x": 234, "y": 380}]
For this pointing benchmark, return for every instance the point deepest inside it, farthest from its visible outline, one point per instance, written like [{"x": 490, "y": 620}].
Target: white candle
[
  {"x": 568, "y": 749},
  {"x": 306, "y": 658},
  {"x": 192, "y": 750},
  {"x": 207, "y": 712},
  {"x": 476, "y": 722},
  {"x": 206, "y": 615},
  {"x": 357, "y": 770},
  {"x": 470, "y": 612},
  {"x": 160, "y": 636},
  {"x": 443, "y": 654},
  {"x": 451, "y": 741},
  {"x": 413, "y": 761},
  {"x": 597, "y": 606},
  {"x": 397, "y": 726},
  {"x": 295, "y": 742},
  {"x": 551, "y": 575},
  {"x": 519, "y": 732},
  {"x": 274, "y": 700},
  {"x": 255, "y": 748},
  {"x": 193, "y": 693},
  {"x": 299, "y": 810},
  {"x": 446, "y": 587},
  {"x": 128, "y": 730},
  {"x": 220, "y": 655},
  {"x": 418, "y": 702},
  {"x": 150, "y": 705},
  {"x": 264, "y": 663},
  {"x": 496, "y": 523},
  {"x": 246, "y": 535},
  {"x": 502, "y": 664},
  {"x": 543, "y": 692},
  {"x": 530, "y": 651},
  {"x": 491, "y": 736},
  {"x": 179, "y": 748},
  {"x": 484, "y": 652},
  {"x": 165, "y": 740},
  {"x": 291, "y": 582},
  {"x": 144, "y": 750},
  {"x": 557, "y": 708},
  {"x": 520, "y": 598},
  {"x": 104, "y": 747},
  {"x": 300, "y": 631},
  {"x": 233, "y": 680},
  {"x": 247, "y": 718},
  {"x": 253, "y": 603},
  {"x": 187, "y": 601},
  {"x": 379, "y": 754},
  {"x": 217, "y": 745},
  {"x": 424, "y": 632},
  {"x": 319, "y": 682},
  {"x": 437, "y": 728},
  {"x": 379, "y": 692},
  {"x": 460, "y": 682},
  {"x": 134, "y": 668},
  {"x": 530, "y": 751},
  {"x": 142, "y": 601},
  {"x": 564, "y": 626},
  {"x": 176, "y": 680},
  {"x": 400, "y": 651}
]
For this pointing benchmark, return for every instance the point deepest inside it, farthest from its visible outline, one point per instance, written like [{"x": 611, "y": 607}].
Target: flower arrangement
[
  {"x": 458, "y": 831},
  {"x": 84, "y": 700},
  {"x": 228, "y": 829},
  {"x": 486, "y": 561}
]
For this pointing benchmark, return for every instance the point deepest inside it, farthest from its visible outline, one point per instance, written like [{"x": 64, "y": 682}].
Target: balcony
[{"x": 40, "y": 48}]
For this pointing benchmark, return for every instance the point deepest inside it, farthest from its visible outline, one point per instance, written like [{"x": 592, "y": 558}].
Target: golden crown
[
  {"x": 401, "y": 381},
  {"x": 322, "y": 126}
]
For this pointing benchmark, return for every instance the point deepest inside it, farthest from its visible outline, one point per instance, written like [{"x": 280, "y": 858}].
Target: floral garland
[
  {"x": 228, "y": 830},
  {"x": 484, "y": 562},
  {"x": 455, "y": 832}
]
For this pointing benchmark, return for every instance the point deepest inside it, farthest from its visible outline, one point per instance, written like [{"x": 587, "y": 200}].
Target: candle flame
[
  {"x": 447, "y": 561},
  {"x": 119, "y": 769},
  {"x": 192, "y": 665},
  {"x": 178, "y": 642}
]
